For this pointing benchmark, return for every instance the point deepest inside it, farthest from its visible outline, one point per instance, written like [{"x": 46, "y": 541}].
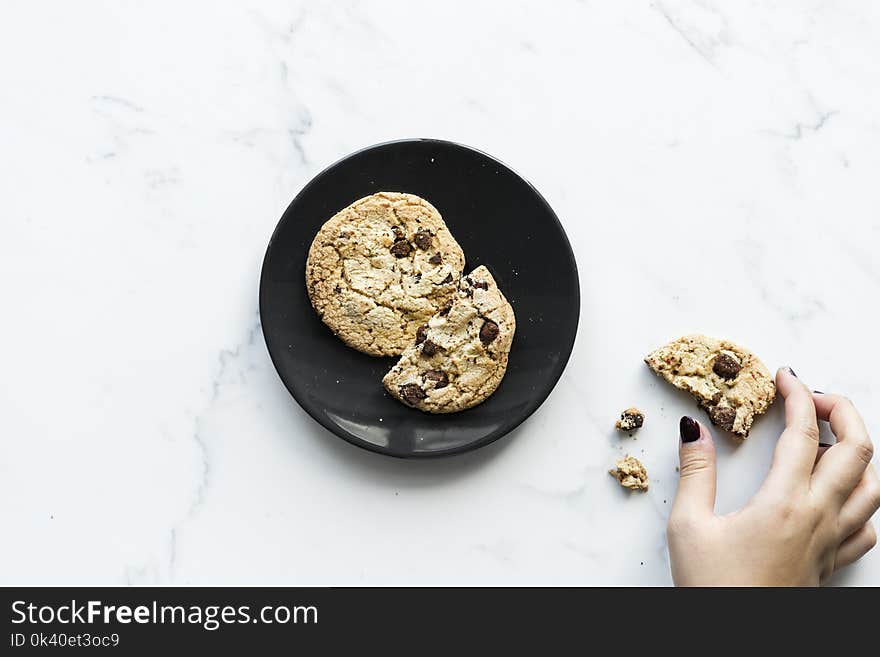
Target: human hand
[{"x": 810, "y": 517}]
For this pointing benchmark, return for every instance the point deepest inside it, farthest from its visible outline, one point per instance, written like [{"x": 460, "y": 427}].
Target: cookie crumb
[
  {"x": 630, "y": 473},
  {"x": 630, "y": 420}
]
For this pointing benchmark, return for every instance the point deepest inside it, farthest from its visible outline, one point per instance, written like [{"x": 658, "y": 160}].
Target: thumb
[{"x": 696, "y": 485}]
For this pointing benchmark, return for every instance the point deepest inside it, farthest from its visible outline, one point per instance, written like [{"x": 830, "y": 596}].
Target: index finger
[{"x": 796, "y": 450}]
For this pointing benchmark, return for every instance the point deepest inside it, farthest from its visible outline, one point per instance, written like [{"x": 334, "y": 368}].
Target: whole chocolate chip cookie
[
  {"x": 460, "y": 357},
  {"x": 380, "y": 268},
  {"x": 728, "y": 381}
]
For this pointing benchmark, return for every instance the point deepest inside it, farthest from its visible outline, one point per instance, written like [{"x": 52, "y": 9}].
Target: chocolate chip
[
  {"x": 430, "y": 348},
  {"x": 445, "y": 309},
  {"x": 337, "y": 290},
  {"x": 447, "y": 280},
  {"x": 401, "y": 249},
  {"x": 709, "y": 404},
  {"x": 421, "y": 334},
  {"x": 398, "y": 233},
  {"x": 483, "y": 285},
  {"x": 417, "y": 277},
  {"x": 489, "y": 331},
  {"x": 726, "y": 366},
  {"x": 344, "y": 235},
  {"x": 440, "y": 379},
  {"x": 423, "y": 239},
  {"x": 723, "y": 416},
  {"x": 412, "y": 393},
  {"x": 435, "y": 259}
]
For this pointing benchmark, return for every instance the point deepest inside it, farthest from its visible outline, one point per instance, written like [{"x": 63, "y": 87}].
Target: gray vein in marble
[
  {"x": 123, "y": 119},
  {"x": 365, "y": 23},
  {"x": 248, "y": 138},
  {"x": 573, "y": 385},
  {"x": 792, "y": 305},
  {"x": 800, "y": 129},
  {"x": 294, "y": 26},
  {"x": 285, "y": 35},
  {"x": 172, "y": 550},
  {"x": 159, "y": 178},
  {"x": 707, "y": 55},
  {"x": 865, "y": 261},
  {"x": 583, "y": 551},
  {"x": 568, "y": 496},
  {"x": 301, "y": 124},
  {"x": 116, "y": 100},
  {"x": 296, "y": 134},
  {"x": 227, "y": 359}
]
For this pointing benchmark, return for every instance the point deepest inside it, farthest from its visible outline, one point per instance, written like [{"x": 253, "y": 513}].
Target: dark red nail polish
[
  {"x": 688, "y": 429},
  {"x": 824, "y": 445}
]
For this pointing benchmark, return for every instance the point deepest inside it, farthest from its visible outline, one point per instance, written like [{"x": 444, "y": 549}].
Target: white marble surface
[{"x": 716, "y": 168}]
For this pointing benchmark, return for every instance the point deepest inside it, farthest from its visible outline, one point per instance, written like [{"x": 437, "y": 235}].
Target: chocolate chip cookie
[
  {"x": 380, "y": 268},
  {"x": 728, "y": 381},
  {"x": 458, "y": 358}
]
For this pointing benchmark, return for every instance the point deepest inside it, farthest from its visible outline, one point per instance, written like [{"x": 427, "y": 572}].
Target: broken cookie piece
[
  {"x": 630, "y": 420},
  {"x": 459, "y": 357},
  {"x": 630, "y": 473},
  {"x": 728, "y": 381}
]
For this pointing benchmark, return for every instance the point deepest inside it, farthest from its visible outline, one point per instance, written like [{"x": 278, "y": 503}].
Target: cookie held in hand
[{"x": 728, "y": 381}]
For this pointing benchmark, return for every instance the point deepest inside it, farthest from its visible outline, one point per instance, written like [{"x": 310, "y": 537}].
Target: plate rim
[{"x": 452, "y": 451}]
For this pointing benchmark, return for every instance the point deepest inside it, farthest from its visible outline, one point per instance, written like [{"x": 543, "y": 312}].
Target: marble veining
[{"x": 714, "y": 165}]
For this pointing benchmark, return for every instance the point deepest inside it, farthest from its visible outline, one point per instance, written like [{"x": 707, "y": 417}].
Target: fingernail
[
  {"x": 824, "y": 444},
  {"x": 791, "y": 371},
  {"x": 819, "y": 392},
  {"x": 689, "y": 429}
]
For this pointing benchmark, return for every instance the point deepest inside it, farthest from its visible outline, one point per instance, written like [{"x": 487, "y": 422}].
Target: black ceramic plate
[{"x": 500, "y": 220}]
